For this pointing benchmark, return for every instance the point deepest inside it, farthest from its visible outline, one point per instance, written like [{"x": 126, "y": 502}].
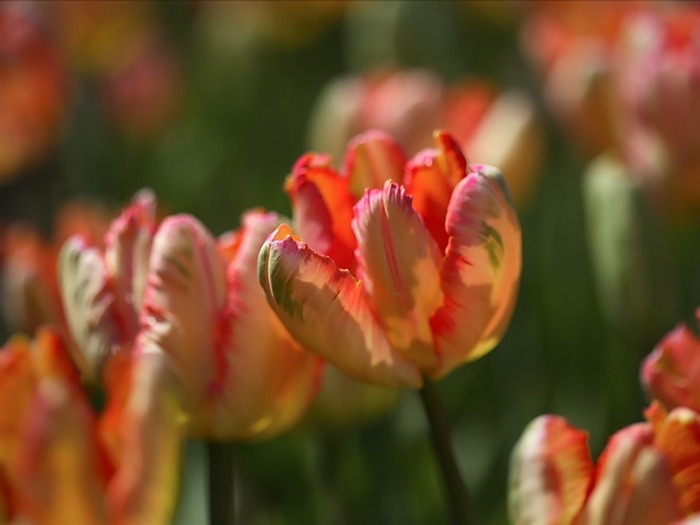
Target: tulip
[
  {"x": 55, "y": 467},
  {"x": 243, "y": 375},
  {"x": 102, "y": 289},
  {"x": 671, "y": 373},
  {"x": 435, "y": 271},
  {"x": 552, "y": 478}
]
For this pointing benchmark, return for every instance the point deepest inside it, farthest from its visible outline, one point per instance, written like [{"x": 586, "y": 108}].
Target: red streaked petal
[
  {"x": 322, "y": 208},
  {"x": 431, "y": 176},
  {"x": 551, "y": 473},
  {"x": 183, "y": 301},
  {"x": 373, "y": 158},
  {"x": 327, "y": 311},
  {"x": 398, "y": 262},
  {"x": 266, "y": 380},
  {"x": 127, "y": 248},
  {"x": 481, "y": 271}
]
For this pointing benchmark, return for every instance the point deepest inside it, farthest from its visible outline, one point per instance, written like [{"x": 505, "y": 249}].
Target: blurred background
[{"x": 589, "y": 109}]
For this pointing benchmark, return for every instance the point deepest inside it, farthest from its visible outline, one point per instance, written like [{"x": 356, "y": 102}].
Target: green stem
[
  {"x": 457, "y": 494},
  {"x": 221, "y": 506}
]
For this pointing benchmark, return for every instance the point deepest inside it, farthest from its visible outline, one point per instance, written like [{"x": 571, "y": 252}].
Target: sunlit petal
[
  {"x": 184, "y": 297},
  {"x": 327, "y": 311},
  {"x": 551, "y": 473},
  {"x": 265, "y": 381},
  {"x": 88, "y": 303},
  {"x": 398, "y": 263},
  {"x": 481, "y": 270}
]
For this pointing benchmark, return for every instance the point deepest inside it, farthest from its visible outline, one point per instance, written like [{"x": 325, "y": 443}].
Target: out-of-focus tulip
[
  {"x": 497, "y": 129},
  {"x": 658, "y": 84},
  {"x": 29, "y": 294},
  {"x": 53, "y": 463},
  {"x": 101, "y": 289},
  {"x": 243, "y": 375},
  {"x": 419, "y": 278},
  {"x": 671, "y": 373},
  {"x": 553, "y": 481},
  {"x": 33, "y": 91}
]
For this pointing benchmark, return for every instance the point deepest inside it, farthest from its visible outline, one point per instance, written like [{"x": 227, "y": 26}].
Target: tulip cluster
[{"x": 648, "y": 473}]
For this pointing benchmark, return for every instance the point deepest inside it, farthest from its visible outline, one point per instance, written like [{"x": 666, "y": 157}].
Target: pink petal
[
  {"x": 399, "y": 266},
  {"x": 326, "y": 310},
  {"x": 551, "y": 473},
  {"x": 481, "y": 270},
  {"x": 183, "y": 302},
  {"x": 265, "y": 379},
  {"x": 127, "y": 248}
]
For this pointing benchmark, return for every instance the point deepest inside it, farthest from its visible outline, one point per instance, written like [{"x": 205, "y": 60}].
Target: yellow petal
[{"x": 327, "y": 311}]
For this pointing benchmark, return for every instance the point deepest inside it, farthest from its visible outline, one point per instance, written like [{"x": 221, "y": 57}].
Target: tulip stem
[
  {"x": 221, "y": 500},
  {"x": 457, "y": 494}
]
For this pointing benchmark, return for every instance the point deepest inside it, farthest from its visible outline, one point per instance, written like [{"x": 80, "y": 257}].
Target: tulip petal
[
  {"x": 327, "y": 311},
  {"x": 265, "y": 379},
  {"x": 182, "y": 305},
  {"x": 127, "y": 248},
  {"x": 633, "y": 482},
  {"x": 551, "y": 473},
  {"x": 398, "y": 262},
  {"x": 481, "y": 270},
  {"x": 59, "y": 473},
  {"x": 431, "y": 176},
  {"x": 143, "y": 489},
  {"x": 88, "y": 303},
  {"x": 322, "y": 208},
  {"x": 373, "y": 158}
]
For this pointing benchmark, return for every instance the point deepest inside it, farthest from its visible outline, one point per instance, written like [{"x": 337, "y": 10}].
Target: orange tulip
[
  {"x": 418, "y": 278},
  {"x": 54, "y": 465}
]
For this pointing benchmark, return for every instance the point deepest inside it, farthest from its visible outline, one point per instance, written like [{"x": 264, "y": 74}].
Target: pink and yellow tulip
[
  {"x": 244, "y": 376},
  {"x": 647, "y": 474},
  {"x": 413, "y": 279}
]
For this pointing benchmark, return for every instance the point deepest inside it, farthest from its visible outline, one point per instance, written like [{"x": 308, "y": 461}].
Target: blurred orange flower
[{"x": 33, "y": 91}]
